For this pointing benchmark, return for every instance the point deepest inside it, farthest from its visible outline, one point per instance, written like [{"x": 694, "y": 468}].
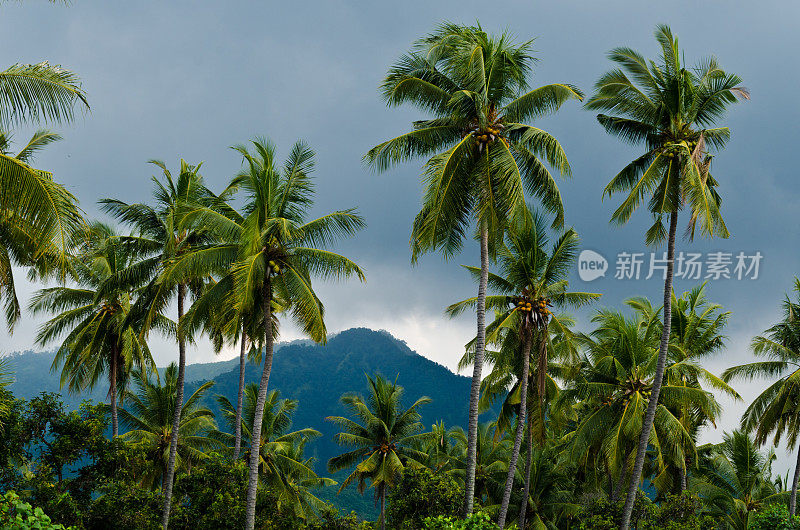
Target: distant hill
[
  {"x": 316, "y": 376},
  {"x": 32, "y": 375}
]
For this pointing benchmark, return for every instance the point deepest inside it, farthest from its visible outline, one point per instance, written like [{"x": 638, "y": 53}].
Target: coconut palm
[
  {"x": 93, "y": 315},
  {"x": 162, "y": 236},
  {"x": 482, "y": 155},
  {"x": 383, "y": 436},
  {"x": 533, "y": 278},
  {"x": 494, "y": 451},
  {"x": 213, "y": 313},
  {"x": 776, "y": 412},
  {"x": 439, "y": 448},
  {"x": 282, "y": 464},
  {"x": 548, "y": 496},
  {"x": 670, "y": 110},
  {"x": 273, "y": 253},
  {"x": 735, "y": 480},
  {"x": 612, "y": 394},
  {"x": 696, "y": 334},
  {"x": 148, "y": 417}
]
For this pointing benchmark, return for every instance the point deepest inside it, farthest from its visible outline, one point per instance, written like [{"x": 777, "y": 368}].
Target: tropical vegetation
[{"x": 597, "y": 423}]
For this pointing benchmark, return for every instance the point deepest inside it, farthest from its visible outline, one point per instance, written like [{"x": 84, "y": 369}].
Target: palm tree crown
[
  {"x": 148, "y": 416},
  {"x": 382, "y": 434}
]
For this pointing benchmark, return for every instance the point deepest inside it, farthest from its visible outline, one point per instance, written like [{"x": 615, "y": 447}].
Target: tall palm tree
[
  {"x": 482, "y": 155},
  {"x": 776, "y": 411},
  {"x": 282, "y": 464},
  {"x": 735, "y": 480},
  {"x": 274, "y": 252},
  {"x": 213, "y": 313},
  {"x": 383, "y": 435},
  {"x": 533, "y": 278},
  {"x": 669, "y": 109},
  {"x": 148, "y": 416},
  {"x": 162, "y": 236},
  {"x": 93, "y": 315},
  {"x": 612, "y": 394}
]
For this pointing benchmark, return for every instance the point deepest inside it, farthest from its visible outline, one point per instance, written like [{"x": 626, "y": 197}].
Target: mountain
[{"x": 315, "y": 375}]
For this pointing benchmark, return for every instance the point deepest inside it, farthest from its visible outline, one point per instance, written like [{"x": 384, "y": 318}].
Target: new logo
[{"x": 591, "y": 265}]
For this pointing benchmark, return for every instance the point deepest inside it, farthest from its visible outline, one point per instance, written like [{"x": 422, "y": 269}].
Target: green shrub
[
  {"x": 421, "y": 493},
  {"x": 476, "y": 521},
  {"x": 126, "y": 507},
  {"x": 18, "y": 515},
  {"x": 774, "y": 517}
]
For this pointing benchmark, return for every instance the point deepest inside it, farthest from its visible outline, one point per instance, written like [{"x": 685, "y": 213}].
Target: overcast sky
[{"x": 188, "y": 79}]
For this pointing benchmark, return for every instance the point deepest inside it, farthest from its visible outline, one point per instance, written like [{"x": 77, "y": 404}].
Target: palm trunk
[
  {"x": 650, "y": 415},
  {"x": 793, "y": 498},
  {"x": 682, "y": 473},
  {"x": 112, "y": 391},
  {"x": 621, "y": 481},
  {"x": 237, "y": 446},
  {"x": 383, "y": 508},
  {"x": 475, "y": 389},
  {"x": 523, "y": 413},
  {"x": 258, "y": 416},
  {"x": 523, "y": 508},
  {"x": 176, "y": 415}
]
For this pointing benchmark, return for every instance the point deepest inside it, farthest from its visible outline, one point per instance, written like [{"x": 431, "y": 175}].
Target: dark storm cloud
[{"x": 188, "y": 79}]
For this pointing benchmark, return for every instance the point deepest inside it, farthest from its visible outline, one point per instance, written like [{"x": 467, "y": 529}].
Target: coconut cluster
[
  {"x": 488, "y": 135},
  {"x": 674, "y": 152},
  {"x": 276, "y": 269},
  {"x": 538, "y": 306}
]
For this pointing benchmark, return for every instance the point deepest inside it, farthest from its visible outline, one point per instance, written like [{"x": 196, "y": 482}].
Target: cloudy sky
[{"x": 188, "y": 79}]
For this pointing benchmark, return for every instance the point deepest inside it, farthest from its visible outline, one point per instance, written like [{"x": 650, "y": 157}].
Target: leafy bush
[
  {"x": 476, "y": 521},
  {"x": 18, "y": 515},
  {"x": 126, "y": 507},
  {"x": 675, "y": 512},
  {"x": 774, "y": 517},
  {"x": 422, "y": 493}
]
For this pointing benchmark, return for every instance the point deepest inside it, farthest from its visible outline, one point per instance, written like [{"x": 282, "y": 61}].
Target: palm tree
[
  {"x": 162, "y": 236},
  {"x": 213, "y": 313},
  {"x": 735, "y": 480},
  {"x": 493, "y": 454},
  {"x": 24, "y": 241},
  {"x": 776, "y": 411},
  {"x": 549, "y": 496},
  {"x": 94, "y": 317},
  {"x": 696, "y": 334},
  {"x": 482, "y": 156},
  {"x": 148, "y": 416},
  {"x": 383, "y": 435},
  {"x": 282, "y": 464},
  {"x": 533, "y": 279},
  {"x": 671, "y": 110},
  {"x": 273, "y": 253},
  {"x": 612, "y": 394}
]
